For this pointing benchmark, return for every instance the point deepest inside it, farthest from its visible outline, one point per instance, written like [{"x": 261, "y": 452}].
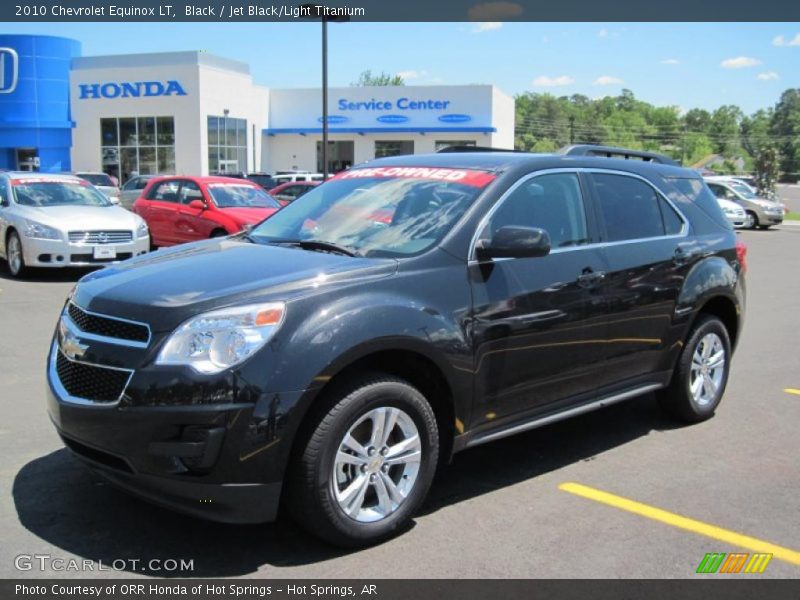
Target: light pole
[{"x": 311, "y": 9}]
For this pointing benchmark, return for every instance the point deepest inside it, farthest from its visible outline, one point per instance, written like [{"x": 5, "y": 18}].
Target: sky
[{"x": 687, "y": 65}]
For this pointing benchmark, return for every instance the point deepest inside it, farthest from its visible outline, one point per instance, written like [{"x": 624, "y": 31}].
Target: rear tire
[
  {"x": 15, "y": 257},
  {"x": 367, "y": 463},
  {"x": 699, "y": 380}
]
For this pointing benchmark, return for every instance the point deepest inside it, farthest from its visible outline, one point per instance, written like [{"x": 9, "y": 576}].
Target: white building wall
[
  {"x": 86, "y": 143},
  {"x": 220, "y": 90},
  {"x": 214, "y": 85}
]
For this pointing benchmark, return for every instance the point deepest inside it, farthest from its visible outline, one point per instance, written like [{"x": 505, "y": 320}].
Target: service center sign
[{"x": 439, "y": 107}]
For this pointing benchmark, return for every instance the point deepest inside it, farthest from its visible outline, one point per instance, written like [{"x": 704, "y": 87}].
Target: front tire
[
  {"x": 751, "y": 220},
  {"x": 701, "y": 374},
  {"x": 367, "y": 464},
  {"x": 14, "y": 255}
]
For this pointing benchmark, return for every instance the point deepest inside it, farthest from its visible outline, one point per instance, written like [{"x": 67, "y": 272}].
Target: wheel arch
[
  {"x": 409, "y": 364},
  {"x": 725, "y": 309}
]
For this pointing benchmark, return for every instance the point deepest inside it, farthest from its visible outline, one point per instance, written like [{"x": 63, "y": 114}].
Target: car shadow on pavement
[
  {"x": 61, "y": 275},
  {"x": 68, "y": 506}
]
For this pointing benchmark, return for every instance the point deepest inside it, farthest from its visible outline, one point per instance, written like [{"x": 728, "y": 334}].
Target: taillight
[{"x": 741, "y": 255}]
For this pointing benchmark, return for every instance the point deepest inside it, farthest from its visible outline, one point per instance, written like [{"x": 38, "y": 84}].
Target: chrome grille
[
  {"x": 100, "y": 237},
  {"x": 108, "y": 326}
]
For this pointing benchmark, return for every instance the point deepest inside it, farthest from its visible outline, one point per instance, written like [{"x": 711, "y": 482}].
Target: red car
[
  {"x": 186, "y": 209},
  {"x": 291, "y": 190}
]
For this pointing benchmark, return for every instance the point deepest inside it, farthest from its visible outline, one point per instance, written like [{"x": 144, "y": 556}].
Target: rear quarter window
[{"x": 696, "y": 190}]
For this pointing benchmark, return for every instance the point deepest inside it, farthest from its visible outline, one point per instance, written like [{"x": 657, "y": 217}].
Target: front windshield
[
  {"x": 743, "y": 190},
  {"x": 236, "y": 195},
  {"x": 44, "y": 193},
  {"x": 395, "y": 211}
]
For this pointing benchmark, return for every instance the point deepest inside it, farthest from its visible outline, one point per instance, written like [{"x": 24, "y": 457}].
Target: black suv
[{"x": 403, "y": 311}]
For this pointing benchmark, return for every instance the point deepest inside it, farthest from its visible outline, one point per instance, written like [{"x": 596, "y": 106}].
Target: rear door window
[{"x": 166, "y": 191}]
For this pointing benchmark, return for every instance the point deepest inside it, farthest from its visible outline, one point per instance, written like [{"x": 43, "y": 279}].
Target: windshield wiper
[{"x": 318, "y": 245}]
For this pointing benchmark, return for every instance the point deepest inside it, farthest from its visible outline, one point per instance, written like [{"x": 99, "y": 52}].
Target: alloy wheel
[
  {"x": 708, "y": 369},
  {"x": 377, "y": 464},
  {"x": 14, "y": 255}
]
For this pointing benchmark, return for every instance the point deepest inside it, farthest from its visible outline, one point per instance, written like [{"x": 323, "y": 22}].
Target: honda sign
[{"x": 9, "y": 70}]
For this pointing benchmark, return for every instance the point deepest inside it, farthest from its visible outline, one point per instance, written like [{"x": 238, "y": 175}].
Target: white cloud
[
  {"x": 779, "y": 40},
  {"x": 486, "y": 26},
  {"x": 768, "y": 76},
  {"x": 670, "y": 61},
  {"x": 740, "y": 62},
  {"x": 607, "y": 33},
  {"x": 608, "y": 80},
  {"x": 545, "y": 81},
  {"x": 411, "y": 74},
  {"x": 493, "y": 11}
]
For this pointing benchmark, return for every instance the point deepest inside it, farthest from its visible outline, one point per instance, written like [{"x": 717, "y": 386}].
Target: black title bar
[{"x": 400, "y": 10}]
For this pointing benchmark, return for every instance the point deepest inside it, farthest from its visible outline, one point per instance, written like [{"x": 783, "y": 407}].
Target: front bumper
[
  {"x": 222, "y": 462},
  {"x": 60, "y": 253}
]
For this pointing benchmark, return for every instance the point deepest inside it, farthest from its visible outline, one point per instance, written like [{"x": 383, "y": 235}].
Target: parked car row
[{"x": 742, "y": 205}]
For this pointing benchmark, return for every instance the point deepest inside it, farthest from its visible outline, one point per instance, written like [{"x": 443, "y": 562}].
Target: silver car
[
  {"x": 102, "y": 182},
  {"x": 63, "y": 221},
  {"x": 132, "y": 189},
  {"x": 759, "y": 212}
]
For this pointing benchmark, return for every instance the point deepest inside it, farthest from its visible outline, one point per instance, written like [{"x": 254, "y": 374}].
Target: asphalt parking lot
[{"x": 508, "y": 509}]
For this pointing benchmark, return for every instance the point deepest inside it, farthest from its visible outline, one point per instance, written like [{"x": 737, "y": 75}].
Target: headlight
[
  {"x": 142, "y": 230},
  {"x": 42, "y": 232},
  {"x": 220, "y": 339}
]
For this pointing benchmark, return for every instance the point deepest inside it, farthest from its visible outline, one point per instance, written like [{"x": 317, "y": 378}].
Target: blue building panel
[{"x": 34, "y": 109}]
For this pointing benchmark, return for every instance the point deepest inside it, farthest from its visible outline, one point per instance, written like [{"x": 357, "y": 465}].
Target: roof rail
[
  {"x": 611, "y": 152},
  {"x": 448, "y": 149}
]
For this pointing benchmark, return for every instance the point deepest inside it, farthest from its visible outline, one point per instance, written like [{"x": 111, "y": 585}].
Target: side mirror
[
  {"x": 198, "y": 204},
  {"x": 515, "y": 242}
]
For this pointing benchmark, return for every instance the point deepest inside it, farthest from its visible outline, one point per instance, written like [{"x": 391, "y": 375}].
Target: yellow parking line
[
  {"x": 698, "y": 527},
  {"x": 792, "y": 391}
]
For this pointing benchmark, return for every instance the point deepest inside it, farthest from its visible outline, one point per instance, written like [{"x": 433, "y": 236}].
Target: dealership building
[{"x": 196, "y": 113}]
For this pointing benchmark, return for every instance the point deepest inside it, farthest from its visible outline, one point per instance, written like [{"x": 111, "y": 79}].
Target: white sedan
[
  {"x": 735, "y": 213},
  {"x": 63, "y": 221}
]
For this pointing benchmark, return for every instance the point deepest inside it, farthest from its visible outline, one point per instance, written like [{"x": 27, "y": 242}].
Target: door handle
[{"x": 590, "y": 277}]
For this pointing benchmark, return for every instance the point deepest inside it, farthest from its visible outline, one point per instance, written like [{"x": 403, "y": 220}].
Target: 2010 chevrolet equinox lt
[{"x": 409, "y": 308}]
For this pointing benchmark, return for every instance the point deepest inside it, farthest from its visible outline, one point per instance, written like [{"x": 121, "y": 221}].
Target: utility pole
[
  {"x": 683, "y": 145},
  {"x": 572, "y": 129}
]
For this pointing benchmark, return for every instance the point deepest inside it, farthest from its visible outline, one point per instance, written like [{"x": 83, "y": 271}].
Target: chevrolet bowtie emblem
[{"x": 70, "y": 345}]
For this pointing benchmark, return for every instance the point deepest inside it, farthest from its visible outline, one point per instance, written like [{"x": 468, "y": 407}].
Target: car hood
[
  {"x": 82, "y": 218},
  {"x": 248, "y": 215},
  {"x": 166, "y": 287},
  {"x": 729, "y": 205}
]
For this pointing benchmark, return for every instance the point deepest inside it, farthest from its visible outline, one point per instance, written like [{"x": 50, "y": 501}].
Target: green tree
[
  {"x": 368, "y": 78},
  {"x": 724, "y": 129},
  {"x": 786, "y": 130},
  {"x": 767, "y": 164}
]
